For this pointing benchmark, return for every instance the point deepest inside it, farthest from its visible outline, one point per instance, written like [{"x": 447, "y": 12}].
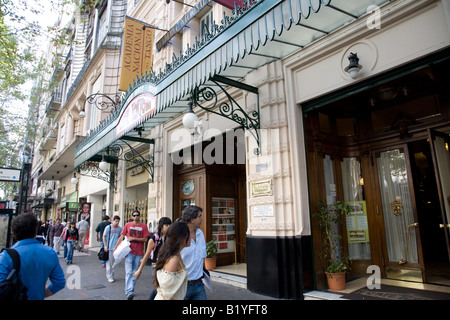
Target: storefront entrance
[
  {"x": 220, "y": 189},
  {"x": 416, "y": 242},
  {"x": 385, "y": 151}
]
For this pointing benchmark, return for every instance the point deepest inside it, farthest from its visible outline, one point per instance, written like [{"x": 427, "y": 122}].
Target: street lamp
[
  {"x": 74, "y": 179},
  {"x": 103, "y": 165},
  {"x": 190, "y": 118},
  {"x": 354, "y": 67}
]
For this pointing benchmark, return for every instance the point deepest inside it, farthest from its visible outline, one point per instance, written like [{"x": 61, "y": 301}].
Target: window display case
[{"x": 223, "y": 224}]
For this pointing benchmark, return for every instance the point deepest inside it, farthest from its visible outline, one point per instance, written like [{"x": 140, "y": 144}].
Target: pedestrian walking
[
  {"x": 194, "y": 255},
  {"x": 170, "y": 278},
  {"x": 56, "y": 234},
  {"x": 110, "y": 237},
  {"x": 71, "y": 240},
  {"x": 62, "y": 241},
  {"x": 137, "y": 233},
  {"x": 100, "y": 229},
  {"x": 153, "y": 246},
  {"x": 38, "y": 263},
  {"x": 40, "y": 235},
  {"x": 49, "y": 233},
  {"x": 83, "y": 228}
]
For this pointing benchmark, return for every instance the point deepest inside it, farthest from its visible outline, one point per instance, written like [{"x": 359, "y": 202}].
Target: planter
[
  {"x": 336, "y": 281},
  {"x": 210, "y": 263}
]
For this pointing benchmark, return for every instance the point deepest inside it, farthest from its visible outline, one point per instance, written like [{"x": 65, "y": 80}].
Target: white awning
[{"x": 268, "y": 31}]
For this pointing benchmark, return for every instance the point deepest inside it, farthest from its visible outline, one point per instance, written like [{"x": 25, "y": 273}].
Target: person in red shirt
[{"x": 137, "y": 233}]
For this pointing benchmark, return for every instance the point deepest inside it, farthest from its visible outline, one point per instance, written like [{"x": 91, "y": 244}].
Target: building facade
[
  {"x": 281, "y": 126},
  {"x": 86, "y": 65}
]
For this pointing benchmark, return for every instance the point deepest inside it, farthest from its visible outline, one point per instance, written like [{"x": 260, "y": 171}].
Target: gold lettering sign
[
  {"x": 137, "y": 52},
  {"x": 261, "y": 188}
]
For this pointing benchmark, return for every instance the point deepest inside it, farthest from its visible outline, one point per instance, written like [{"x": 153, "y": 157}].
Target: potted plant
[
  {"x": 337, "y": 263},
  {"x": 211, "y": 251}
]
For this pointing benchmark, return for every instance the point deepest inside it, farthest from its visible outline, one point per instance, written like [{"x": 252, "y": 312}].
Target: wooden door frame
[
  {"x": 403, "y": 147},
  {"x": 433, "y": 133}
]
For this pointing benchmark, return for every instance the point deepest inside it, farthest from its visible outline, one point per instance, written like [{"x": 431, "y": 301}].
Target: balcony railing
[{"x": 54, "y": 104}]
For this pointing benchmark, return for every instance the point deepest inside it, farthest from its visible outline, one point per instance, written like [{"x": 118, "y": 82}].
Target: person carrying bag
[{"x": 122, "y": 250}]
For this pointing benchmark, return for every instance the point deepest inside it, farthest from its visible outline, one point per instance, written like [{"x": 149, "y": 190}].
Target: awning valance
[{"x": 267, "y": 31}]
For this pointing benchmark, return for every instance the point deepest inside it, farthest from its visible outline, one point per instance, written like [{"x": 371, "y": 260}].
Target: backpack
[
  {"x": 154, "y": 253},
  {"x": 13, "y": 288}
]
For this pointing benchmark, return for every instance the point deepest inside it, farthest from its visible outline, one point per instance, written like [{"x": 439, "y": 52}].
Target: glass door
[
  {"x": 439, "y": 143},
  {"x": 402, "y": 257}
]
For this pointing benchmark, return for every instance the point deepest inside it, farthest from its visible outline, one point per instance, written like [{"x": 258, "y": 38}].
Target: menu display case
[{"x": 223, "y": 224}]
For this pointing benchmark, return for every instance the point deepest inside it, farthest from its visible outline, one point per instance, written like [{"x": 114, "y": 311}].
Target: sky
[{"x": 46, "y": 19}]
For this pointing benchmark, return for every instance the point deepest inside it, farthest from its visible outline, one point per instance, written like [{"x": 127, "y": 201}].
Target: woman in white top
[{"x": 171, "y": 276}]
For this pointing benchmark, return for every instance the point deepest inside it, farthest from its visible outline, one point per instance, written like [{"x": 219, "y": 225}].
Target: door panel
[
  {"x": 439, "y": 143},
  {"x": 397, "y": 207},
  {"x": 402, "y": 253}
]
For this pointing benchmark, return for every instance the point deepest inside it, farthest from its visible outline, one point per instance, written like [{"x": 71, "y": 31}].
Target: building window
[{"x": 206, "y": 23}]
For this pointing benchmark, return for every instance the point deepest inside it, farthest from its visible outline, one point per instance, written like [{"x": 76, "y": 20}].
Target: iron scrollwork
[
  {"x": 91, "y": 169},
  {"x": 117, "y": 151},
  {"x": 229, "y": 109},
  {"x": 101, "y": 104}
]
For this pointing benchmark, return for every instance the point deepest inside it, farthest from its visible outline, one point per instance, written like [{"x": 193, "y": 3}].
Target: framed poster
[{"x": 356, "y": 221}]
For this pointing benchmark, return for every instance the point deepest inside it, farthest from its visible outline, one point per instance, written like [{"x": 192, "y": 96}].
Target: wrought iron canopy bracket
[
  {"x": 101, "y": 104},
  {"x": 229, "y": 109},
  {"x": 116, "y": 151},
  {"x": 91, "y": 169},
  {"x": 112, "y": 154}
]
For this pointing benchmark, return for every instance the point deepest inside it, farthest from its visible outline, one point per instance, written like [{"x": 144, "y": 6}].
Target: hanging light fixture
[
  {"x": 354, "y": 67},
  {"x": 74, "y": 180},
  {"x": 190, "y": 118},
  {"x": 103, "y": 165}
]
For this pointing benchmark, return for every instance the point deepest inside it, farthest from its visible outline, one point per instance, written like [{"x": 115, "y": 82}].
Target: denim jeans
[
  {"x": 69, "y": 246},
  {"x": 131, "y": 265},
  {"x": 195, "y": 291},
  {"x": 65, "y": 248}
]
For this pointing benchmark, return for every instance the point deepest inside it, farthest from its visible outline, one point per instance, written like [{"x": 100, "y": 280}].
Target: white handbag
[{"x": 122, "y": 250}]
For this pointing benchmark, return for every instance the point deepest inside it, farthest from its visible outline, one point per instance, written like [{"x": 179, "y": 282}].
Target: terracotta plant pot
[
  {"x": 210, "y": 263},
  {"x": 336, "y": 281}
]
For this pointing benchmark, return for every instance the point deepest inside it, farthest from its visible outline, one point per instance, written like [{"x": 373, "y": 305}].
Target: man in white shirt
[
  {"x": 83, "y": 227},
  {"x": 194, "y": 255}
]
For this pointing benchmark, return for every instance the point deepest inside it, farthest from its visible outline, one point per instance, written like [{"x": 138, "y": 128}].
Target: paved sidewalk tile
[{"x": 86, "y": 280}]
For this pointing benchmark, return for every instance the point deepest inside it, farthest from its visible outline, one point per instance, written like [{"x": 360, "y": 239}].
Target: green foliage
[
  {"x": 329, "y": 218},
  {"x": 211, "y": 249}
]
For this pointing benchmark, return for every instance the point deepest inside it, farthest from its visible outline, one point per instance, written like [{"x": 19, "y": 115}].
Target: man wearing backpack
[{"x": 38, "y": 263}]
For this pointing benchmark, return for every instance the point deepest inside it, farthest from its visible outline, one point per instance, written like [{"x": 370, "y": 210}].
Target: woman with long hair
[
  {"x": 154, "y": 244},
  {"x": 170, "y": 278},
  {"x": 71, "y": 239}
]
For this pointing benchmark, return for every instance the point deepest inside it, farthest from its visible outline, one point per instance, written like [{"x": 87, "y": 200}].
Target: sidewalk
[{"x": 94, "y": 285}]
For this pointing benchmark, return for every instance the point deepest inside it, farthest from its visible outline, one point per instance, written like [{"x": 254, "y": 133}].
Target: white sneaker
[{"x": 110, "y": 280}]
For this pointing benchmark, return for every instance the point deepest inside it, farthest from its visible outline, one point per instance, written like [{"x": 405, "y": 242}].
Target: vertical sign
[{"x": 137, "y": 51}]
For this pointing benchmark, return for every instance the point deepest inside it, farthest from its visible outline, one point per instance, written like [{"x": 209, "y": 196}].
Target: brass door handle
[{"x": 443, "y": 226}]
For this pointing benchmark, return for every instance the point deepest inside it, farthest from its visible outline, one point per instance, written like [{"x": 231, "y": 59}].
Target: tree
[{"x": 20, "y": 63}]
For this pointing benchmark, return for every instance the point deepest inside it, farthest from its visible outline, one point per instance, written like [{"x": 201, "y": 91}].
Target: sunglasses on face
[{"x": 136, "y": 215}]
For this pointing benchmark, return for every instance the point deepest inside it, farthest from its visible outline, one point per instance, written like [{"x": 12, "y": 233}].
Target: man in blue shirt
[
  {"x": 38, "y": 262},
  {"x": 111, "y": 235},
  {"x": 194, "y": 255}
]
